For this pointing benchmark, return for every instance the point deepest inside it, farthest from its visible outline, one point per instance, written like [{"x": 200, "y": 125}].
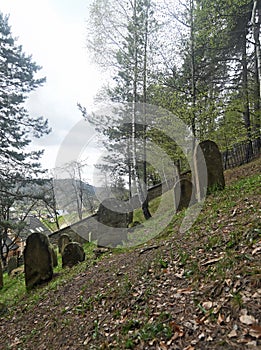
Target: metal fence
[{"x": 241, "y": 153}]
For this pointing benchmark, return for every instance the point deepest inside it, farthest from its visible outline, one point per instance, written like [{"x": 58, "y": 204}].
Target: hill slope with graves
[{"x": 195, "y": 290}]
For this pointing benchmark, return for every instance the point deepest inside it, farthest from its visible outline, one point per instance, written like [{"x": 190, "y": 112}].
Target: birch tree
[{"x": 125, "y": 40}]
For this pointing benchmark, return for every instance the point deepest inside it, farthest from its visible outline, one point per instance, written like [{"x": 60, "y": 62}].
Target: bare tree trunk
[
  {"x": 193, "y": 68},
  {"x": 256, "y": 29},
  {"x": 246, "y": 111},
  {"x": 145, "y": 205},
  {"x": 140, "y": 191},
  {"x": 255, "y": 21}
]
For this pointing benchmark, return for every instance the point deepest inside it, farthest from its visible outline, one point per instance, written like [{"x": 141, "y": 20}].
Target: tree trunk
[
  {"x": 246, "y": 111},
  {"x": 255, "y": 21},
  {"x": 193, "y": 68},
  {"x": 140, "y": 191},
  {"x": 145, "y": 205}
]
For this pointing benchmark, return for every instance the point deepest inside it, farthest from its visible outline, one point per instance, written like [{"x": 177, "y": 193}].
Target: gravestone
[
  {"x": 213, "y": 164},
  {"x": 20, "y": 260},
  {"x": 54, "y": 256},
  {"x": 183, "y": 194},
  {"x": 114, "y": 217},
  {"x": 1, "y": 276},
  {"x": 110, "y": 238},
  {"x": 38, "y": 262},
  {"x": 63, "y": 240},
  {"x": 114, "y": 213},
  {"x": 18, "y": 271},
  {"x": 73, "y": 253},
  {"x": 12, "y": 264}
]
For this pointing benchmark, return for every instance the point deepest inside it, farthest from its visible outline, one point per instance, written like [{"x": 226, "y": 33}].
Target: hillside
[{"x": 198, "y": 290}]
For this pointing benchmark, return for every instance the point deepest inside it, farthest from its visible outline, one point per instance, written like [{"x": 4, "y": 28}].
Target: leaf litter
[{"x": 200, "y": 290}]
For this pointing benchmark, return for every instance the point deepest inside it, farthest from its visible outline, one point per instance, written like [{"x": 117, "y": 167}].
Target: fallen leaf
[
  {"x": 247, "y": 319},
  {"x": 180, "y": 275},
  {"x": 252, "y": 343},
  {"x": 228, "y": 282},
  {"x": 174, "y": 326},
  {"x": 163, "y": 346},
  {"x": 256, "y": 250},
  {"x": 16, "y": 342},
  {"x": 207, "y": 305},
  {"x": 234, "y": 212},
  {"x": 220, "y": 319},
  {"x": 255, "y": 331},
  {"x": 201, "y": 336},
  {"x": 212, "y": 261},
  {"x": 228, "y": 319},
  {"x": 184, "y": 291},
  {"x": 232, "y": 334}
]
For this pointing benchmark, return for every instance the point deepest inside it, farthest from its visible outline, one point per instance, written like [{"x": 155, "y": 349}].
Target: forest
[
  {"x": 199, "y": 60},
  {"x": 176, "y": 73}
]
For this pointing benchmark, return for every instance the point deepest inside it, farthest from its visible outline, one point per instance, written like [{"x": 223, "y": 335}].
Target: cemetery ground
[{"x": 194, "y": 291}]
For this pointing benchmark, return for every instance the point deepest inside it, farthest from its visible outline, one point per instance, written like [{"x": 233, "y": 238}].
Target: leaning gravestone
[
  {"x": 113, "y": 214},
  {"x": 72, "y": 254},
  {"x": 38, "y": 262},
  {"x": 213, "y": 164},
  {"x": 12, "y": 264},
  {"x": 63, "y": 240},
  {"x": 183, "y": 194}
]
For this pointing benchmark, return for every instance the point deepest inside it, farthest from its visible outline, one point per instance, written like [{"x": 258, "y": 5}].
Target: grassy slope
[{"x": 197, "y": 290}]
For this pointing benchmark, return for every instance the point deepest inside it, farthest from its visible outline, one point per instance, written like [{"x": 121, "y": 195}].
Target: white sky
[{"x": 54, "y": 32}]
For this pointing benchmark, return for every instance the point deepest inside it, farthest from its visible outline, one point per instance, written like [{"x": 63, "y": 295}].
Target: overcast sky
[{"x": 54, "y": 32}]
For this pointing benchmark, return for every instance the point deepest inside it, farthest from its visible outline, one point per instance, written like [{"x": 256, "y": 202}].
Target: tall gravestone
[
  {"x": 212, "y": 161},
  {"x": 12, "y": 264},
  {"x": 183, "y": 194},
  {"x": 54, "y": 256},
  {"x": 38, "y": 262}
]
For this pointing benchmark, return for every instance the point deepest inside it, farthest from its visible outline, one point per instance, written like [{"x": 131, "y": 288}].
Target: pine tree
[
  {"x": 129, "y": 51},
  {"x": 18, "y": 166}
]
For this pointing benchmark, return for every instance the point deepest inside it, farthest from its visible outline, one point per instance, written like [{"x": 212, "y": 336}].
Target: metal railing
[{"x": 241, "y": 153}]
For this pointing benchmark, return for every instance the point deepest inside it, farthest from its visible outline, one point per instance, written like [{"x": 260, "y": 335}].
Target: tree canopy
[
  {"x": 19, "y": 166},
  {"x": 199, "y": 59}
]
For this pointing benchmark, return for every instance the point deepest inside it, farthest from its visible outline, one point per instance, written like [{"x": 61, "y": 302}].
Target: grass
[
  {"x": 217, "y": 212},
  {"x": 14, "y": 290}
]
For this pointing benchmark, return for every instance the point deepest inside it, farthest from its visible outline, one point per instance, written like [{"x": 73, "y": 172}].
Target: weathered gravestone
[
  {"x": 63, "y": 240},
  {"x": 18, "y": 271},
  {"x": 1, "y": 276},
  {"x": 183, "y": 194},
  {"x": 54, "y": 256},
  {"x": 110, "y": 238},
  {"x": 113, "y": 218},
  {"x": 12, "y": 264},
  {"x": 38, "y": 262},
  {"x": 114, "y": 213},
  {"x": 213, "y": 163},
  {"x": 72, "y": 254}
]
